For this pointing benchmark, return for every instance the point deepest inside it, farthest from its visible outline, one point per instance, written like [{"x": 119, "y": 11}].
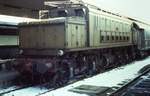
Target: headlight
[
  {"x": 21, "y": 52},
  {"x": 49, "y": 65},
  {"x": 60, "y": 52}
]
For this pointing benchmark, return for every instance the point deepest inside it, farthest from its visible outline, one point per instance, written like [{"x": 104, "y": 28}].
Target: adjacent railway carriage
[
  {"x": 144, "y": 37},
  {"x": 8, "y": 40},
  {"x": 76, "y": 40}
]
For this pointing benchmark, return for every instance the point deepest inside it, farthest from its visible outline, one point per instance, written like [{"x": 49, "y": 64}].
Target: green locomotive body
[{"x": 76, "y": 40}]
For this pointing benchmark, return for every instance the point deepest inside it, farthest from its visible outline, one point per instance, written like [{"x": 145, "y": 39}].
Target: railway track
[
  {"x": 69, "y": 83},
  {"x": 131, "y": 85},
  {"x": 19, "y": 90},
  {"x": 40, "y": 86},
  {"x": 113, "y": 92}
]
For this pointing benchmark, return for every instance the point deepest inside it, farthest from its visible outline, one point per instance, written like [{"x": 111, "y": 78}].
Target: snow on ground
[
  {"x": 32, "y": 91},
  {"x": 109, "y": 79},
  {"x": 7, "y": 89}
]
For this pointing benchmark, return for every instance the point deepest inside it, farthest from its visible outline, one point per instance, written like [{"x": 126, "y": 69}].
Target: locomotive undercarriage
[{"x": 58, "y": 70}]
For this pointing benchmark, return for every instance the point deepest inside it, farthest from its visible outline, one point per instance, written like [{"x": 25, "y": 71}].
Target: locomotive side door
[
  {"x": 135, "y": 33},
  {"x": 141, "y": 39}
]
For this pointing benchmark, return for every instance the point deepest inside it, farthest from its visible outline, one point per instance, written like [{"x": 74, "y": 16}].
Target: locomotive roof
[
  {"x": 45, "y": 21},
  {"x": 92, "y": 6},
  {"x": 57, "y": 20},
  {"x": 8, "y": 25}
]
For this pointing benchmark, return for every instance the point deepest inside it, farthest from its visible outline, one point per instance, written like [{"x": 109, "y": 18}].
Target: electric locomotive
[{"x": 75, "y": 40}]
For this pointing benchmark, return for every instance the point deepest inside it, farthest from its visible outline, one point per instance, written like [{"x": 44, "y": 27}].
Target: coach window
[
  {"x": 107, "y": 38},
  {"x": 80, "y": 12},
  {"x": 120, "y": 37},
  {"x": 63, "y": 13},
  {"x": 128, "y": 38},
  {"x": 116, "y": 38},
  {"x": 124, "y": 38},
  {"x": 102, "y": 38},
  {"x": 113, "y": 38}
]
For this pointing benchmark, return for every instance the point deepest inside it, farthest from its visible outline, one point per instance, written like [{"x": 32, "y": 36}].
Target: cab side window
[
  {"x": 79, "y": 12},
  {"x": 62, "y": 13}
]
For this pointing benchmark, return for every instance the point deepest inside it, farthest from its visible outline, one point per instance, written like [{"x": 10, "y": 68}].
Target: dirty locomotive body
[{"x": 78, "y": 41}]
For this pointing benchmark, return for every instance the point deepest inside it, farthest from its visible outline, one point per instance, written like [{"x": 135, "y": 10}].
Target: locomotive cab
[
  {"x": 79, "y": 11},
  {"x": 45, "y": 42}
]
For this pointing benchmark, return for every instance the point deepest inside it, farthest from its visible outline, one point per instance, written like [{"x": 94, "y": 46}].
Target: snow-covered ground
[
  {"x": 111, "y": 78},
  {"x": 7, "y": 89},
  {"x": 31, "y": 91}
]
